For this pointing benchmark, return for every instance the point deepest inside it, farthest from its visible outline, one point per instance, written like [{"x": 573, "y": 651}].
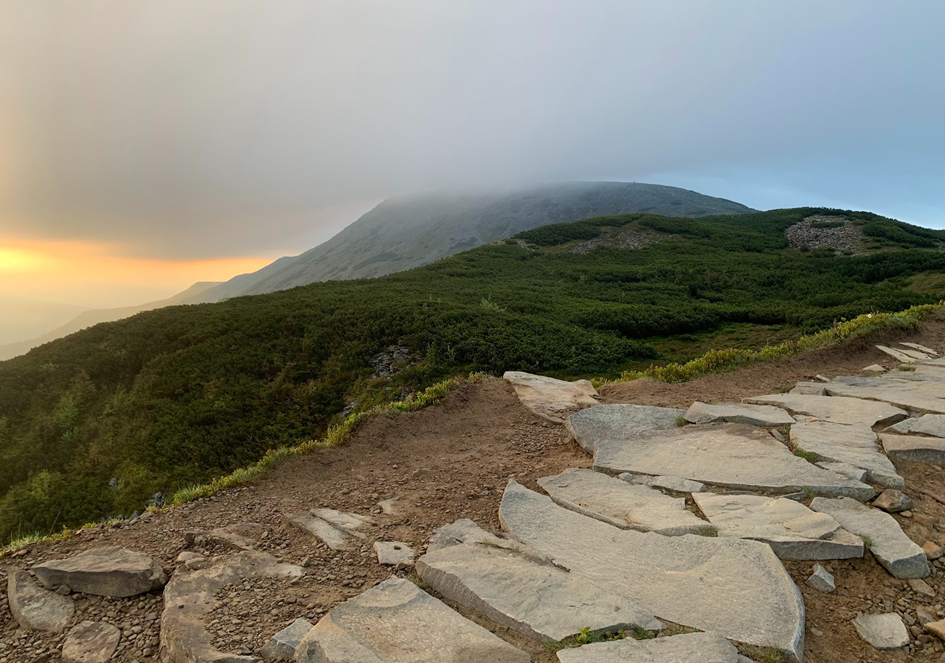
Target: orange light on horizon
[{"x": 21, "y": 260}]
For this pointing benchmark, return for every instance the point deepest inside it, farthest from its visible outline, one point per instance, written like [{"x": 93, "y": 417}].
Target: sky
[{"x": 146, "y": 145}]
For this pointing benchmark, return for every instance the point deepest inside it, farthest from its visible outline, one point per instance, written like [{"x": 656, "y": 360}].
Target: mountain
[
  {"x": 179, "y": 395},
  {"x": 25, "y": 318},
  {"x": 88, "y": 318},
  {"x": 410, "y": 231}
]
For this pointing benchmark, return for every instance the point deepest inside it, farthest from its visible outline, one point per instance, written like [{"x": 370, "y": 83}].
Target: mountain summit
[{"x": 410, "y": 231}]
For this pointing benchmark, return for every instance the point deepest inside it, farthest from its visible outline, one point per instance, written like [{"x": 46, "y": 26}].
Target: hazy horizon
[{"x": 153, "y": 144}]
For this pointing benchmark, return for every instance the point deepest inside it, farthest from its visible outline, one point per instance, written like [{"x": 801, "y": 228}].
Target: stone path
[{"x": 681, "y": 524}]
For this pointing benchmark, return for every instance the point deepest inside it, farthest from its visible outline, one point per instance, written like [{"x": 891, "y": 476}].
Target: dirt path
[{"x": 448, "y": 462}]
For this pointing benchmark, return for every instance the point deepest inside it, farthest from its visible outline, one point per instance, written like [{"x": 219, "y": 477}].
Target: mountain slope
[
  {"x": 177, "y": 395},
  {"x": 95, "y": 316},
  {"x": 406, "y": 232},
  {"x": 21, "y": 319}
]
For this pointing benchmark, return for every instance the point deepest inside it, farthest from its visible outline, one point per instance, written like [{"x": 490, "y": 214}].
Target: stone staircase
[{"x": 670, "y": 548}]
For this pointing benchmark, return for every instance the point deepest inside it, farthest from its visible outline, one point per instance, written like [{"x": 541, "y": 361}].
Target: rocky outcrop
[{"x": 549, "y": 398}]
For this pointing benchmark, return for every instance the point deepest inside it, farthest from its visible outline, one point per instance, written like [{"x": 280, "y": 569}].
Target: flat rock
[
  {"x": 874, "y": 368},
  {"x": 611, "y": 423},
  {"x": 549, "y": 398},
  {"x": 191, "y": 595},
  {"x": 672, "y": 484},
  {"x": 623, "y": 504},
  {"x": 685, "y": 648},
  {"x": 283, "y": 644},
  {"x": 921, "y": 587},
  {"x": 844, "y": 469},
  {"x": 34, "y": 607},
  {"x": 921, "y": 348},
  {"x": 90, "y": 642},
  {"x": 389, "y": 506},
  {"x": 892, "y": 548},
  {"x": 397, "y": 622},
  {"x": 914, "y": 448},
  {"x": 791, "y": 529},
  {"x": 920, "y": 396},
  {"x": 336, "y": 529},
  {"x": 936, "y": 628},
  {"x": 898, "y": 355},
  {"x": 733, "y": 456},
  {"x": 929, "y": 424},
  {"x": 892, "y": 501},
  {"x": 853, "y": 444},
  {"x": 110, "y": 571},
  {"x": 835, "y": 409},
  {"x": 541, "y": 600},
  {"x": 882, "y": 631},
  {"x": 394, "y": 553},
  {"x": 737, "y": 588},
  {"x": 821, "y": 580},
  {"x": 738, "y": 413}
]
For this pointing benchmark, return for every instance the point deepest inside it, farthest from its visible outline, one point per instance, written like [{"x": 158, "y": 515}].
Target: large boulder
[
  {"x": 111, "y": 571},
  {"x": 881, "y": 533},
  {"x": 36, "y": 608},
  {"x": 397, "y": 622},
  {"x": 734, "y": 587},
  {"x": 549, "y": 398}
]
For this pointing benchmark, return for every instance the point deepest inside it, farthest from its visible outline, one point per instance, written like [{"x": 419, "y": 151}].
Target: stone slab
[
  {"x": 914, "y": 448},
  {"x": 623, "y": 504},
  {"x": 843, "y": 469},
  {"x": 35, "y": 607},
  {"x": 394, "y": 553},
  {"x": 874, "y": 368},
  {"x": 685, "y": 648},
  {"x": 90, "y": 642},
  {"x": 733, "y": 456},
  {"x": 889, "y": 544},
  {"x": 929, "y": 424},
  {"x": 549, "y": 398},
  {"x": 672, "y": 484},
  {"x": 283, "y": 644},
  {"x": 835, "y": 409},
  {"x": 903, "y": 427},
  {"x": 109, "y": 571},
  {"x": 919, "y": 396},
  {"x": 335, "y": 529},
  {"x": 397, "y": 622},
  {"x": 738, "y": 413},
  {"x": 921, "y": 348},
  {"x": 853, "y": 444},
  {"x": 882, "y": 631},
  {"x": 792, "y": 530},
  {"x": 737, "y": 588},
  {"x": 609, "y": 423},
  {"x": 898, "y": 355},
  {"x": 541, "y": 600},
  {"x": 822, "y": 580},
  {"x": 191, "y": 595}
]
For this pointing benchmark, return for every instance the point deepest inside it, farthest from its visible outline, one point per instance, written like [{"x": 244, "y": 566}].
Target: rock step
[
  {"x": 836, "y": 409},
  {"x": 623, "y": 504},
  {"x": 792, "y": 530},
  {"x": 397, "y": 622},
  {"x": 919, "y": 396},
  {"x": 549, "y": 398},
  {"x": 734, "y": 456},
  {"x": 737, "y": 588},
  {"x": 107, "y": 571},
  {"x": 685, "y": 648},
  {"x": 914, "y": 448},
  {"x": 853, "y": 444},
  {"x": 738, "y": 413},
  {"x": 892, "y": 548},
  {"x": 540, "y": 600}
]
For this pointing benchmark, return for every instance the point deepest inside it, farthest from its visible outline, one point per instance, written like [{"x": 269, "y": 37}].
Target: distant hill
[
  {"x": 410, "y": 231},
  {"x": 21, "y": 319},
  {"x": 173, "y": 397},
  {"x": 87, "y": 318}
]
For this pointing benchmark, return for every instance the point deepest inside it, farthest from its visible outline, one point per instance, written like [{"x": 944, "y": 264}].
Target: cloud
[{"x": 229, "y": 127}]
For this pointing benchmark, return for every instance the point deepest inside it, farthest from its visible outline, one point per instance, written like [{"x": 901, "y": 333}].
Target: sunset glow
[{"x": 102, "y": 275}]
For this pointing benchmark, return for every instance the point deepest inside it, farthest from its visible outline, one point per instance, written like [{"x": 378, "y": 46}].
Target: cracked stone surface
[
  {"x": 335, "y": 529},
  {"x": 623, "y": 504},
  {"x": 791, "y": 529},
  {"x": 734, "y": 456},
  {"x": 897, "y": 553},
  {"x": 738, "y": 413},
  {"x": 920, "y": 396},
  {"x": 737, "y": 588},
  {"x": 397, "y": 622},
  {"x": 549, "y": 398},
  {"x": 853, "y": 444},
  {"x": 834, "y": 408},
  {"x": 536, "y": 598}
]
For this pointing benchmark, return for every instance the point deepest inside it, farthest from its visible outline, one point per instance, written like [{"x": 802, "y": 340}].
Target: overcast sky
[{"x": 220, "y": 133}]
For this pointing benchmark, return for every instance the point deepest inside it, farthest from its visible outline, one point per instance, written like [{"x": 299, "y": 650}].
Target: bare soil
[{"x": 448, "y": 462}]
